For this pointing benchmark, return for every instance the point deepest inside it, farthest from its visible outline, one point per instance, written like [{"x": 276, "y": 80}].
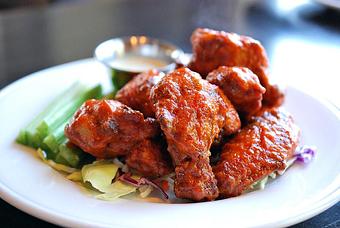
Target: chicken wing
[
  {"x": 191, "y": 112},
  {"x": 150, "y": 159},
  {"x": 241, "y": 86},
  {"x": 107, "y": 128},
  {"x": 212, "y": 49},
  {"x": 259, "y": 149},
  {"x": 136, "y": 93}
]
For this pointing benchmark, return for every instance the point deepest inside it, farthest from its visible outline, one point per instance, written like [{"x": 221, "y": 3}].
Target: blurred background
[
  {"x": 302, "y": 39},
  {"x": 297, "y": 34}
]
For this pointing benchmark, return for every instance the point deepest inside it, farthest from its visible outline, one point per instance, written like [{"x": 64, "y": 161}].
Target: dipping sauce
[{"x": 137, "y": 63}]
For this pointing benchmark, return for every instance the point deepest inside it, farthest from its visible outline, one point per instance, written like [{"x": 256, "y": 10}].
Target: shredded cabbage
[
  {"x": 76, "y": 176},
  {"x": 116, "y": 190},
  {"x": 145, "y": 190},
  {"x": 305, "y": 154},
  {"x": 100, "y": 174},
  {"x": 121, "y": 165}
]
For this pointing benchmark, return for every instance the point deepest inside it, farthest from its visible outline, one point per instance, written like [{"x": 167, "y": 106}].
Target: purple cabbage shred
[
  {"x": 305, "y": 154},
  {"x": 126, "y": 177}
]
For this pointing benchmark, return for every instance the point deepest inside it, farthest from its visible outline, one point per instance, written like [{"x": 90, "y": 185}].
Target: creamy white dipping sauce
[{"x": 137, "y": 63}]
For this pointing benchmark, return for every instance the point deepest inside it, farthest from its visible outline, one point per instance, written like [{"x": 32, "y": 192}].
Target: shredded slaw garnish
[
  {"x": 305, "y": 154},
  {"x": 126, "y": 177}
]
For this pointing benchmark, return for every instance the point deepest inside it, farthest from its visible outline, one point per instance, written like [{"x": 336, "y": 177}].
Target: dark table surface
[{"x": 37, "y": 37}]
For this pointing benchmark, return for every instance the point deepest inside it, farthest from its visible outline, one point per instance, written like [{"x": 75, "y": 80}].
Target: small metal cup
[{"x": 139, "y": 46}]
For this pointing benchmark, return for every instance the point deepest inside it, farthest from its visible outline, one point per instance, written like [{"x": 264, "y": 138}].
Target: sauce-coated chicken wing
[
  {"x": 136, "y": 93},
  {"x": 241, "y": 86},
  {"x": 107, "y": 128},
  {"x": 191, "y": 112},
  {"x": 259, "y": 149},
  {"x": 212, "y": 49},
  {"x": 150, "y": 159},
  {"x": 194, "y": 180}
]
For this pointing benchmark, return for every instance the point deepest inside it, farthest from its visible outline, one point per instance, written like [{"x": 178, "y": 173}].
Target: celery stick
[
  {"x": 60, "y": 160},
  {"x": 51, "y": 142},
  {"x": 50, "y": 146},
  {"x": 56, "y": 114},
  {"x": 30, "y": 137},
  {"x": 53, "y": 121},
  {"x": 46, "y": 131},
  {"x": 119, "y": 79},
  {"x": 73, "y": 156},
  {"x": 59, "y": 133},
  {"x": 22, "y": 139},
  {"x": 70, "y": 155},
  {"x": 64, "y": 98}
]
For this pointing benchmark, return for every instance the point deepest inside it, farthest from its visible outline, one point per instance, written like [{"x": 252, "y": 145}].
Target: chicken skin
[
  {"x": 136, "y": 93},
  {"x": 150, "y": 159},
  {"x": 191, "y": 112},
  {"x": 259, "y": 149},
  {"x": 241, "y": 86},
  {"x": 107, "y": 128},
  {"x": 194, "y": 180},
  {"x": 212, "y": 49}
]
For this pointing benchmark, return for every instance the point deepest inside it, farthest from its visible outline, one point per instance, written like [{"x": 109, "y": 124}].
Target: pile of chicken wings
[{"x": 164, "y": 123}]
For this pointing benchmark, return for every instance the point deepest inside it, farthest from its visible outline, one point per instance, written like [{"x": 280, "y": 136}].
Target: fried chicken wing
[
  {"x": 212, "y": 49},
  {"x": 150, "y": 159},
  {"x": 194, "y": 180},
  {"x": 241, "y": 86},
  {"x": 259, "y": 149},
  {"x": 191, "y": 112},
  {"x": 136, "y": 93},
  {"x": 107, "y": 128}
]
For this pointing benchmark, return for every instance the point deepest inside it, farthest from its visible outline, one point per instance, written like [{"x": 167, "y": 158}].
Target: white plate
[{"x": 35, "y": 188}]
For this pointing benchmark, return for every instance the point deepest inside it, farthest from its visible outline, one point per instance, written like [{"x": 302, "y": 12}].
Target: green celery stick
[
  {"x": 22, "y": 138},
  {"x": 70, "y": 155},
  {"x": 50, "y": 146},
  {"x": 47, "y": 129},
  {"x": 51, "y": 142},
  {"x": 59, "y": 111},
  {"x": 64, "y": 98},
  {"x": 60, "y": 160},
  {"x": 52, "y": 122},
  {"x": 73, "y": 156}
]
